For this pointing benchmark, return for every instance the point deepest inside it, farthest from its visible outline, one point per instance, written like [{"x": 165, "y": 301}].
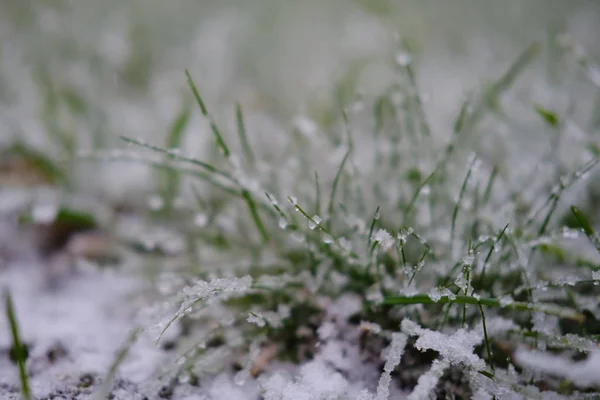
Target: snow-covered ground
[
  {"x": 93, "y": 71},
  {"x": 75, "y": 330}
]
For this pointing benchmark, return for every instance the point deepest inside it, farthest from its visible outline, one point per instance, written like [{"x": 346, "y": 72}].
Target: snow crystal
[
  {"x": 156, "y": 202},
  {"x": 506, "y": 301},
  {"x": 204, "y": 290},
  {"x": 200, "y": 220},
  {"x": 436, "y": 294},
  {"x": 44, "y": 213},
  {"x": 385, "y": 240},
  {"x": 257, "y": 319},
  {"x": 469, "y": 258},
  {"x": 283, "y": 223},
  {"x": 456, "y": 348},
  {"x": 314, "y": 222},
  {"x": 367, "y": 326}
]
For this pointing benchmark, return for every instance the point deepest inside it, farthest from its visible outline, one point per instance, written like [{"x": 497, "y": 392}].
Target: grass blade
[
  {"x": 19, "y": 351},
  {"x": 220, "y": 141},
  {"x": 461, "y": 194},
  {"x": 587, "y": 227},
  {"x": 486, "y": 339},
  {"x": 121, "y": 355},
  {"x": 255, "y": 215},
  {"x": 336, "y": 180},
  {"x": 415, "y": 197},
  {"x": 241, "y": 128},
  {"x": 178, "y": 157},
  {"x": 171, "y": 177},
  {"x": 489, "y": 254},
  {"x": 490, "y": 302},
  {"x": 372, "y": 227},
  {"x": 559, "y": 189},
  {"x": 317, "y": 195}
]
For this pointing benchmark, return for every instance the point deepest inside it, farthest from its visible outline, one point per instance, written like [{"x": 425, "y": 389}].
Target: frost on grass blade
[
  {"x": 436, "y": 294},
  {"x": 392, "y": 359},
  {"x": 457, "y": 348},
  {"x": 384, "y": 239},
  {"x": 219, "y": 288},
  {"x": 428, "y": 381}
]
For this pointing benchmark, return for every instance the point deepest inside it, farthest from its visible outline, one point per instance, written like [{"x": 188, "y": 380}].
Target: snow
[
  {"x": 88, "y": 316},
  {"x": 584, "y": 373},
  {"x": 385, "y": 240},
  {"x": 456, "y": 348}
]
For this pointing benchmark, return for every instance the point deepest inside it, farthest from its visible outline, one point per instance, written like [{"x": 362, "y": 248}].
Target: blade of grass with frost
[
  {"x": 421, "y": 260},
  {"x": 410, "y": 74},
  {"x": 413, "y": 200},
  {"x": 178, "y": 157},
  {"x": 587, "y": 227},
  {"x": 330, "y": 207},
  {"x": 174, "y": 140},
  {"x": 489, "y": 302},
  {"x": 317, "y": 224},
  {"x": 136, "y": 158},
  {"x": 461, "y": 194},
  {"x": 490, "y": 185},
  {"x": 241, "y": 129},
  {"x": 19, "y": 351},
  {"x": 372, "y": 228},
  {"x": 255, "y": 215},
  {"x": 347, "y": 130},
  {"x": 493, "y": 92},
  {"x": 559, "y": 189},
  {"x": 490, "y": 252},
  {"x": 213, "y": 126},
  {"x": 486, "y": 340},
  {"x": 121, "y": 356},
  {"x": 317, "y": 195}
]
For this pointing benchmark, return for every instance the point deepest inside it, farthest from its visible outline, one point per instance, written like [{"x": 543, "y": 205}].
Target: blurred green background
[{"x": 76, "y": 74}]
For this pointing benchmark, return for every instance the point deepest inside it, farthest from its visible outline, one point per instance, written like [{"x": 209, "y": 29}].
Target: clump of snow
[
  {"x": 385, "y": 240},
  {"x": 315, "y": 381},
  {"x": 584, "y": 373},
  {"x": 456, "y": 348}
]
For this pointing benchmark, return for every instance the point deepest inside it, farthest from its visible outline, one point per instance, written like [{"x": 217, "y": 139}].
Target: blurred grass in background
[{"x": 74, "y": 75}]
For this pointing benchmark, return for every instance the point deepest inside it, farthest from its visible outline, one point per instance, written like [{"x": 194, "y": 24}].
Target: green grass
[
  {"x": 379, "y": 222},
  {"x": 18, "y": 349}
]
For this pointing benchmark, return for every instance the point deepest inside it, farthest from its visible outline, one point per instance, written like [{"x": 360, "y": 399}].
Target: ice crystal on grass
[
  {"x": 428, "y": 381},
  {"x": 457, "y": 348},
  {"x": 437, "y": 293},
  {"x": 385, "y": 240},
  {"x": 392, "y": 359}
]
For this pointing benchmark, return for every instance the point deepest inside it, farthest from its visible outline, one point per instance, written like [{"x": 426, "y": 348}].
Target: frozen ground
[
  {"x": 75, "y": 329},
  {"x": 75, "y": 76}
]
